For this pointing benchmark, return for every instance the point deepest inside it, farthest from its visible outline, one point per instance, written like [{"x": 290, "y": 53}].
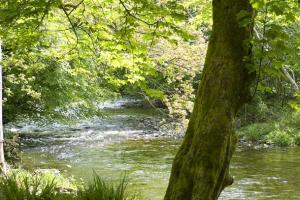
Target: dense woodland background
[{"x": 61, "y": 59}]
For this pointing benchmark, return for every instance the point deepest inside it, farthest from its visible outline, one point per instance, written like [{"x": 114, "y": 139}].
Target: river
[{"x": 124, "y": 143}]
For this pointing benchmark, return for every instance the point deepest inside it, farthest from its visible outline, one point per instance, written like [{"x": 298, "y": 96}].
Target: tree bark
[
  {"x": 201, "y": 167},
  {"x": 290, "y": 78},
  {"x": 2, "y": 159}
]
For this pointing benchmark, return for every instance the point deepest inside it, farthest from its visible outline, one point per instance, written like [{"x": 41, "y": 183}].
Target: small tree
[{"x": 2, "y": 159}]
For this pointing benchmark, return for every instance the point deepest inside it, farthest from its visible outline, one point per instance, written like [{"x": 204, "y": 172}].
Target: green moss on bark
[{"x": 201, "y": 167}]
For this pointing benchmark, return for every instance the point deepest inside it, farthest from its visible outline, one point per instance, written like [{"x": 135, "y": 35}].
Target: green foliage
[
  {"x": 12, "y": 148},
  {"x": 178, "y": 65},
  {"x": 280, "y": 138},
  {"x": 40, "y": 84},
  {"x": 291, "y": 119},
  {"x": 21, "y": 185},
  {"x": 264, "y": 108},
  {"x": 297, "y": 138},
  {"x": 283, "y": 132},
  {"x": 62, "y": 57},
  {"x": 276, "y": 47},
  {"x": 296, "y": 102},
  {"x": 256, "y": 132},
  {"x": 98, "y": 189}
]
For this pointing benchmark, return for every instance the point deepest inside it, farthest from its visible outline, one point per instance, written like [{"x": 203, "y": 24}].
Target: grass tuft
[
  {"x": 284, "y": 132},
  {"x": 24, "y": 186}
]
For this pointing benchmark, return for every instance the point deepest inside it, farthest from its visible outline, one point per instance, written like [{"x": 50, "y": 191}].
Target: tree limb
[
  {"x": 137, "y": 18},
  {"x": 72, "y": 26}
]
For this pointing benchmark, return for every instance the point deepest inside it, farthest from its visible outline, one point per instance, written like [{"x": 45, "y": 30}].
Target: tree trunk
[
  {"x": 201, "y": 167},
  {"x": 2, "y": 160}
]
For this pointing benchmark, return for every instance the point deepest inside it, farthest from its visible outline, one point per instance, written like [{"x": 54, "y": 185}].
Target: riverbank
[
  {"x": 141, "y": 120},
  {"x": 284, "y": 132}
]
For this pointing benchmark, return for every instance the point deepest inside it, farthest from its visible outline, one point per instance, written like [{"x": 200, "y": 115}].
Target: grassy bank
[
  {"x": 283, "y": 132},
  {"x": 49, "y": 185}
]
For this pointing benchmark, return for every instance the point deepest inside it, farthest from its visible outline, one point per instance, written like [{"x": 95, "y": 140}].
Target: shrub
[
  {"x": 280, "y": 138},
  {"x": 284, "y": 132},
  {"x": 297, "y": 138},
  {"x": 12, "y": 148},
  {"x": 292, "y": 120},
  {"x": 256, "y": 132},
  {"x": 41, "y": 185},
  {"x": 21, "y": 185}
]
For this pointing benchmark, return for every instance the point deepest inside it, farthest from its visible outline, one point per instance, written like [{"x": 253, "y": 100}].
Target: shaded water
[{"x": 124, "y": 144}]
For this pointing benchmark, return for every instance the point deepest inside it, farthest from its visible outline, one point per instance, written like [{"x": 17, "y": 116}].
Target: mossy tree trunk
[{"x": 201, "y": 167}]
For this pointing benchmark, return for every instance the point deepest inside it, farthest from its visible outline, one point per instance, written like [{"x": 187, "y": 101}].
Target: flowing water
[{"x": 126, "y": 142}]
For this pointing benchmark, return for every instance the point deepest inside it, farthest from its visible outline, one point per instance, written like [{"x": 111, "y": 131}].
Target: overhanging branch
[{"x": 136, "y": 17}]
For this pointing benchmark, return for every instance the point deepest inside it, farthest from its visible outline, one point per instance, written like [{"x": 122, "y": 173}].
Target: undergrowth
[
  {"x": 21, "y": 185},
  {"x": 283, "y": 132}
]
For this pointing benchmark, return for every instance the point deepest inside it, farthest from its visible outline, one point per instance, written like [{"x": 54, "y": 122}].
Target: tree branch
[
  {"x": 72, "y": 26},
  {"x": 74, "y": 7},
  {"x": 137, "y": 18},
  {"x": 46, "y": 10}
]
